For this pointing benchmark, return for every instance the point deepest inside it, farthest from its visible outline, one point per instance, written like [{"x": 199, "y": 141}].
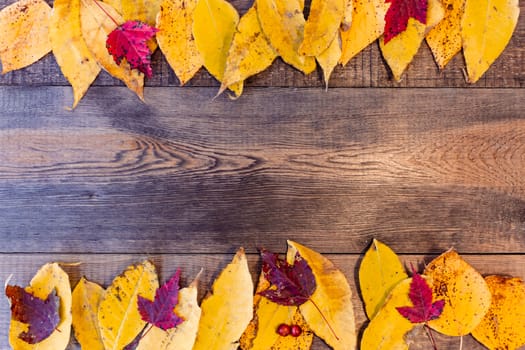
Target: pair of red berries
[{"x": 284, "y": 330}]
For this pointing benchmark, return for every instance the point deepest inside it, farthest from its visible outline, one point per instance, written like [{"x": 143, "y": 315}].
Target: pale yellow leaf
[
  {"x": 283, "y": 23},
  {"x": 175, "y": 38},
  {"x": 332, "y": 296},
  {"x": 96, "y": 26},
  {"x": 76, "y": 61},
  {"x": 347, "y": 16},
  {"x": 329, "y": 58},
  {"x": 503, "y": 327},
  {"x": 466, "y": 294},
  {"x": 486, "y": 29},
  {"x": 86, "y": 298},
  {"x": 25, "y": 33},
  {"x": 49, "y": 278},
  {"x": 118, "y": 317},
  {"x": 401, "y": 49},
  {"x": 227, "y": 311}
]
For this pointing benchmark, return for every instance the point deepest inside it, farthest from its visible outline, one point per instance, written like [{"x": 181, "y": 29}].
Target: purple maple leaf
[{"x": 398, "y": 14}]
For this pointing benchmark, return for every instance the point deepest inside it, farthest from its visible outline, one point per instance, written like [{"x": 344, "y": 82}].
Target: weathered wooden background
[{"x": 424, "y": 165}]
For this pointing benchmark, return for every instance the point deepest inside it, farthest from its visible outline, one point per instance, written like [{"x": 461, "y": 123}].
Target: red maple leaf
[
  {"x": 41, "y": 315},
  {"x": 129, "y": 41},
  {"x": 159, "y": 312},
  {"x": 396, "y": 18}
]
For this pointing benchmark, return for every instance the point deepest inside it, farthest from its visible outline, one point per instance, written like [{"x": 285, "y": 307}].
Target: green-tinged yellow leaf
[
  {"x": 503, "y": 326},
  {"x": 175, "y": 38},
  {"x": 76, "y": 61},
  {"x": 96, "y": 26},
  {"x": 227, "y": 311},
  {"x": 25, "y": 33},
  {"x": 86, "y": 298},
  {"x": 445, "y": 38},
  {"x": 347, "y": 16},
  {"x": 486, "y": 29},
  {"x": 368, "y": 24},
  {"x": 379, "y": 272},
  {"x": 119, "y": 319},
  {"x": 250, "y": 52},
  {"x": 49, "y": 278},
  {"x": 329, "y": 58},
  {"x": 466, "y": 294},
  {"x": 401, "y": 49},
  {"x": 283, "y": 23}
]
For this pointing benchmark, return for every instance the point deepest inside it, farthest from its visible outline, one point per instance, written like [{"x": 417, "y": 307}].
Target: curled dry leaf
[
  {"x": 86, "y": 299},
  {"x": 25, "y": 33}
]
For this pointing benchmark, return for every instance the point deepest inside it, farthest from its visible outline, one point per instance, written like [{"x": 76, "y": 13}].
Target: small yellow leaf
[
  {"x": 347, "y": 16},
  {"x": 486, "y": 28},
  {"x": 503, "y": 327},
  {"x": 445, "y": 38},
  {"x": 50, "y": 277},
  {"x": 86, "y": 298},
  {"x": 76, "y": 61},
  {"x": 283, "y": 23},
  {"x": 96, "y": 26},
  {"x": 119, "y": 319},
  {"x": 175, "y": 38},
  {"x": 228, "y": 309},
  {"x": 466, "y": 294},
  {"x": 332, "y": 296},
  {"x": 329, "y": 58},
  {"x": 401, "y": 49},
  {"x": 379, "y": 272},
  {"x": 25, "y": 33}
]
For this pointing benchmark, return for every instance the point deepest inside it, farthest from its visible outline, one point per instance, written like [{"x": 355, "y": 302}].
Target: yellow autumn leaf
[
  {"x": 49, "y": 278},
  {"x": 119, "y": 319},
  {"x": 76, "y": 61},
  {"x": 347, "y": 15},
  {"x": 137, "y": 10},
  {"x": 401, "y": 49},
  {"x": 175, "y": 38},
  {"x": 466, "y": 294},
  {"x": 250, "y": 52},
  {"x": 86, "y": 298},
  {"x": 228, "y": 309},
  {"x": 25, "y": 33},
  {"x": 322, "y": 26},
  {"x": 503, "y": 326},
  {"x": 96, "y": 26},
  {"x": 214, "y": 23},
  {"x": 368, "y": 24},
  {"x": 329, "y": 312},
  {"x": 329, "y": 58},
  {"x": 486, "y": 29},
  {"x": 283, "y": 23},
  {"x": 445, "y": 38}
]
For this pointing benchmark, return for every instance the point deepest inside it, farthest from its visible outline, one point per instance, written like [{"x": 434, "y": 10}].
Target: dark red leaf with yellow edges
[{"x": 396, "y": 18}]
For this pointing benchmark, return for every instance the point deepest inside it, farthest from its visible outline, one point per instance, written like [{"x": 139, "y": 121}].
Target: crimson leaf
[
  {"x": 291, "y": 284},
  {"x": 41, "y": 315},
  {"x": 159, "y": 312},
  {"x": 423, "y": 309},
  {"x": 129, "y": 41},
  {"x": 396, "y": 18}
]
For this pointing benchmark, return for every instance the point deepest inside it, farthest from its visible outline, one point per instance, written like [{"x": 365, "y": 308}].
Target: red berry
[
  {"x": 296, "y": 330},
  {"x": 283, "y": 330}
]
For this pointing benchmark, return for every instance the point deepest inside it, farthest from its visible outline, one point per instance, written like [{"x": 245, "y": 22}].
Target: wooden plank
[
  {"x": 422, "y": 169},
  {"x": 103, "y": 268}
]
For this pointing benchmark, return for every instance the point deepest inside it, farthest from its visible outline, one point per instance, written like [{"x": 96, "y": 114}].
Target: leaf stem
[
  {"x": 106, "y": 12},
  {"x": 428, "y": 330},
  {"x": 324, "y": 318}
]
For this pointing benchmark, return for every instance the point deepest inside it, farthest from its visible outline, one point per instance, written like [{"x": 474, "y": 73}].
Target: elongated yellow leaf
[
  {"x": 283, "y": 23},
  {"x": 347, "y": 16},
  {"x": 76, "y": 61},
  {"x": 332, "y": 296},
  {"x": 86, "y": 298},
  {"x": 329, "y": 58},
  {"x": 175, "y": 38},
  {"x": 401, "y": 49},
  {"x": 250, "y": 52},
  {"x": 25, "y": 33},
  {"x": 118, "y": 316},
  {"x": 503, "y": 327},
  {"x": 379, "y": 272},
  {"x": 368, "y": 24},
  {"x": 96, "y": 26},
  {"x": 214, "y": 23},
  {"x": 49, "y": 278},
  {"x": 486, "y": 29},
  {"x": 445, "y": 38},
  {"x": 466, "y": 294},
  {"x": 228, "y": 309}
]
